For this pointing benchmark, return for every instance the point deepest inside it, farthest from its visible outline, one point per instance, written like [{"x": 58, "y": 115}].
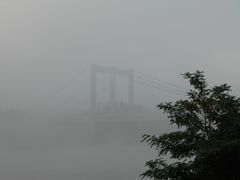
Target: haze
[{"x": 47, "y": 48}]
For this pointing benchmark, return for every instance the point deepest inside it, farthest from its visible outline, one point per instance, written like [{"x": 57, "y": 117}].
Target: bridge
[{"x": 131, "y": 77}]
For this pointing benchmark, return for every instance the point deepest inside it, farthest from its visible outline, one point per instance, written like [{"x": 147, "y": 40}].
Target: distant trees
[{"x": 206, "y": 145}]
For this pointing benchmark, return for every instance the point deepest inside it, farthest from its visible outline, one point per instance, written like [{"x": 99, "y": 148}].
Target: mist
[{"x": 49, "y": 128}]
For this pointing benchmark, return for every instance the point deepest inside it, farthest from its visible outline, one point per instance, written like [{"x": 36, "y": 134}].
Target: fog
[{"x": 48, "y": 129}]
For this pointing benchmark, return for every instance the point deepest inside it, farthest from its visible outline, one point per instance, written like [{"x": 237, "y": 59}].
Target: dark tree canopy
[{"x": 207, "y": 142}]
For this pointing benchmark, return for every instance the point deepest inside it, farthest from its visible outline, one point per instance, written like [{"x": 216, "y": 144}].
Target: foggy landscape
[{"x": 81, "y": 80}]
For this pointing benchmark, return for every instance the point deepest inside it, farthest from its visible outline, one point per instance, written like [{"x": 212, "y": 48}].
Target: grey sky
[{"x": 45, "y": 43}]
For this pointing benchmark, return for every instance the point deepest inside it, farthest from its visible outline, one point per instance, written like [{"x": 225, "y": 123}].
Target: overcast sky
[{"x": 45, "y": 43}]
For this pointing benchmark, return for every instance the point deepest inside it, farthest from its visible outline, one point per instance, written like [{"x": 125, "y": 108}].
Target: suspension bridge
[{"x": 131, "y": 78}]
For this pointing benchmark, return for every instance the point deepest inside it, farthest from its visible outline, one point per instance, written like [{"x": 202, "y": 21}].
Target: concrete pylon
[
  {"x": 93, "y": 89},
  {"x": 112, "y": 72},
  {"x": 131, "y": 87},
  {"x": 113, "y": 87}
]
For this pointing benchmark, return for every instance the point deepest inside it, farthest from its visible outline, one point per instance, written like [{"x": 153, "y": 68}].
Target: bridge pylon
[{"x": 113, "y": 73}]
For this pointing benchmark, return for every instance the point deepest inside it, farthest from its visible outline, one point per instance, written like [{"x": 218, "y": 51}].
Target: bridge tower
[{"x": 113, "y": 73}]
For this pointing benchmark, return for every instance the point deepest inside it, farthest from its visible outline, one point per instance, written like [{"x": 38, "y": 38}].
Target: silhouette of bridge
[{"x": 132, "y": 76}]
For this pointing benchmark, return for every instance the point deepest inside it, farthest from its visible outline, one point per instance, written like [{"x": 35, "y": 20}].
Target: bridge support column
[
  {"x": 113, "y": 72},
  {"x": 131, "y": 87},
  {"x": 93, "y": 89},
  {"x": 113, "y": 87}
]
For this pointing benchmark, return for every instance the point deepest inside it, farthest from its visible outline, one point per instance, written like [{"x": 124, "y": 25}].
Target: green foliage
[{"x": 207, "y": 143}]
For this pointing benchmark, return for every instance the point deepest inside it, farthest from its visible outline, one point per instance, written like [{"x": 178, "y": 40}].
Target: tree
[{"x": 206, "y": 144}]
